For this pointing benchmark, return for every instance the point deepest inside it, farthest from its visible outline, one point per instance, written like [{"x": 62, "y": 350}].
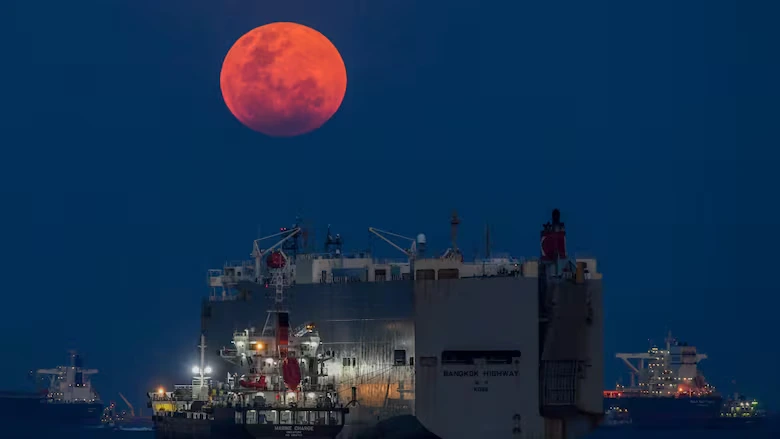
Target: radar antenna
[{"x": 454, "y": 221}]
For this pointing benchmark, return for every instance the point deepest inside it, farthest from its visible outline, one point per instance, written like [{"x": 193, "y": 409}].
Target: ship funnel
[
  {"x": 553, "y": 239},
  {"x": 556, "y": 216}
]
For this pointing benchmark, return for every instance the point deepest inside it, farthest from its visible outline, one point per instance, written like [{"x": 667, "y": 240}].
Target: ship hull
[
  {"x": 167, "y": 427},
  {"x": 669, "y": 413},
  {"x": 725, "y": 423},
  {"x": 31, "y": 409}
]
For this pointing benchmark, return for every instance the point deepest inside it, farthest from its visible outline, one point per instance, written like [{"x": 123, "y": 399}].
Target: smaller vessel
[
  {"x": 739, "y": 411},
  {"x": 283, "y": 389},
  {"x": 279, "y": 396},
  {"x": 68, "y": 399},
  {"x": 616, "y": 417}
]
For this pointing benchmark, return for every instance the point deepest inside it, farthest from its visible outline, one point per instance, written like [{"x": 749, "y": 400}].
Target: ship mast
[
  {"x": 202, "y": 368},
  {"x": 281, "y": 268},
  {"x": 410, "y": 253},
  {"x": 202, "y": 372}
]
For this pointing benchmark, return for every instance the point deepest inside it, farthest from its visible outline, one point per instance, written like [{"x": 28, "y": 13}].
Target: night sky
[{"x": 651, "y": 125}]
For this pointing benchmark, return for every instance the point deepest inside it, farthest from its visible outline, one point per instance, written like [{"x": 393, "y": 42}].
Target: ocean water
[{"x": 771, "y": 430}]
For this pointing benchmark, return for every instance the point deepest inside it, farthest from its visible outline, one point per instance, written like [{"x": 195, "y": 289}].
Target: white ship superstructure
[
  {"x": 387, "y": 323},
  {"x": 70, "y": 384},
  {"x": 664, "y": 372}
]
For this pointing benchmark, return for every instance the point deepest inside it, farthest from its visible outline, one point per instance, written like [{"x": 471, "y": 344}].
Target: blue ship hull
[
  {"x": 33, "y": 410},
  {"x": 669, "y": 412}
]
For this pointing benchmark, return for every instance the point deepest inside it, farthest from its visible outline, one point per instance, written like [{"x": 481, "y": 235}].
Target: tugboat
[
  {"x": 67, "y": 401},
  {"x": 740, "y": 412},
  {"x": 284, "y": 390},
  {"x": 616, "y": 417}
]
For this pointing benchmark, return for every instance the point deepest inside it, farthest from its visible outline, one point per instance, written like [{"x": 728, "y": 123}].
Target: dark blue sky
[{"x": 652, "y": 126}]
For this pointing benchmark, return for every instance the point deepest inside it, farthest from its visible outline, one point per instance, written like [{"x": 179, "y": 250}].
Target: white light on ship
[
  {"x": 208, "y": 370},
  {"x": 310, "y": 395},
  {"x": 195, "y": 369}
]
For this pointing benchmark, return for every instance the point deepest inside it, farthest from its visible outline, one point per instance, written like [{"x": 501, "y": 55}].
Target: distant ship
[
  {"x": 68, "y": 400},
  {"x": 740, "y": 411},
  {"x": 667, "y": 390},
  {"x": 430, "y": 345}
]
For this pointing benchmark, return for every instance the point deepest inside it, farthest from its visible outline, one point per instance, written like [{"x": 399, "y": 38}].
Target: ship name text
[
  {"x": 484, "y": 373},
  {"x": 293, "y": 428}
]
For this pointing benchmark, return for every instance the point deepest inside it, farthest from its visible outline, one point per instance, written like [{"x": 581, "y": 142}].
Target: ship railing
[
  {"x": 226, "y": 297},
  {"x": 353, "y": 255},
  {"x": 240, "y": 264},
  {"x": 390, "y": 261},
  {"x": 254, "y": 405}
]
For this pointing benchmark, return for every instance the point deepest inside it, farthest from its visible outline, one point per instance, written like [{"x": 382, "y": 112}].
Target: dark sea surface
[{"x": 770, "y": 430}]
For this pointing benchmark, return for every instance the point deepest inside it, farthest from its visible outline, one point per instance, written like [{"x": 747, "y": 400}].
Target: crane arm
[
  {"x": 130, "y": 406},
  {"x": 291, "y": 233},
  {"x": 381, "y": 233}
]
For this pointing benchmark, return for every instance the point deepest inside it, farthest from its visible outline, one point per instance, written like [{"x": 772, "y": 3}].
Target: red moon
[{"x": 283, "y": 79}]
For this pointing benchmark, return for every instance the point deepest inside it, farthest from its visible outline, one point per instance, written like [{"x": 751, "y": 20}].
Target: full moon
[{"x": 283, "y": 79}]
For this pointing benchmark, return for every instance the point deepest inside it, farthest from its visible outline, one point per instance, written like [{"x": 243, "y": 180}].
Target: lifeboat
[
  {"x": 253, "y": 382},
  {"x": 291, "y": 372},
  {"x": 275, "y": 260}
]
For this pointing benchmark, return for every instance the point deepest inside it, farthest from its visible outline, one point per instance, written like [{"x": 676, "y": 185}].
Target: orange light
[
  {"x": 160, "y": 390},
  {"x": 259, "y": 346}
]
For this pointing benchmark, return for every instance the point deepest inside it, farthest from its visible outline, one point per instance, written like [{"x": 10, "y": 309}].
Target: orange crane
[{"x": 130, "y": 406}]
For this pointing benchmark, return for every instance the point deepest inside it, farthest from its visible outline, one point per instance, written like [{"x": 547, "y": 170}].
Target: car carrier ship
[
  {"x": 433, "y": 345},
  {"x": 667, "y": 390},
  {"x": 67, "y": 401}
]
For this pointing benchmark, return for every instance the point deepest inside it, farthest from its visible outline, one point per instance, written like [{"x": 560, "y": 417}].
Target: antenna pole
[
  {"x": 202, "y": 347},
  {"x": 487, "y": 241},
  {"x": 454, "y": 221}
]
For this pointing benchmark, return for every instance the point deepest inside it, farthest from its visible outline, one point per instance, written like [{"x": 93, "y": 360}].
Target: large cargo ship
[
  {"x": 68, "y": 400},
  {"x": 667, "y": 390},
  {"x": 508, "y": 347}
]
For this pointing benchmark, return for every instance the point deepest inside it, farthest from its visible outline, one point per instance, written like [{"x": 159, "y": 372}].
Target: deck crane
[
  {"x": 285, "y": 235},
  {"x": 411, "y": 252},
  {"x": 130, "y": 406}
]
